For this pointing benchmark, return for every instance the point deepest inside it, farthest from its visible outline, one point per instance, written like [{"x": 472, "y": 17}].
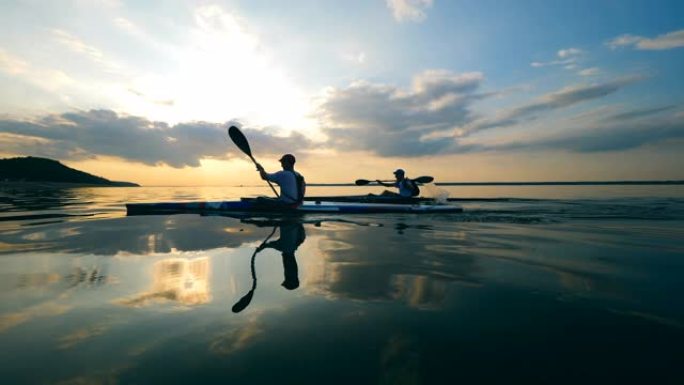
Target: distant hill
[{"x": 31, "y": 169}]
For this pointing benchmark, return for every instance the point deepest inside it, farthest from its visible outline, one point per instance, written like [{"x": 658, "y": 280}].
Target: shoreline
[{"x": 36, "y": 184}]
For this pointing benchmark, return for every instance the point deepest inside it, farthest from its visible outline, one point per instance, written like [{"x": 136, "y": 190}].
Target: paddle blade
[
  {"x": 424, "y": 179},
  {"x": 362, "y": 182},
  {"x": 243, "y": 302},
  {"x": 239, "y": 139}
]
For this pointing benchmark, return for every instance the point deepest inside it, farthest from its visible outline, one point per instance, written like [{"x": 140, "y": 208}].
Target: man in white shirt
[
  {"x": 407, "y": 187},
  {"x": 292, "y": 184}
]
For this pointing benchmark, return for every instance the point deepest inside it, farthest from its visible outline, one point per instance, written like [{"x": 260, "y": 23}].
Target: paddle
[
  {"x": 239, "y": 139},
  {"x": 420, "y": 179},
  {"x": 247, "y": 298}
]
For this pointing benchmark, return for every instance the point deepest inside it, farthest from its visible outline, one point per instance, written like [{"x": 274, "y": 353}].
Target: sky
[{"x": 462, "y": 90}]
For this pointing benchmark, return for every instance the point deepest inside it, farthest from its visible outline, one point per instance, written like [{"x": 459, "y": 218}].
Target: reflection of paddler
[{"x": 291, "y": 236}]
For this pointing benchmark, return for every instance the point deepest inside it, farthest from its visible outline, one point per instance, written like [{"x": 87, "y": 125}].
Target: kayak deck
[
  {"x": 373, "y": 198},
  {"x": 370, "y": 198},
  {"x": 248, "y": 205}
]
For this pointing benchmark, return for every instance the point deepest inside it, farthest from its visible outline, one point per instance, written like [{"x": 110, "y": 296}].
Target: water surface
[{"x": 531, "y": 284}]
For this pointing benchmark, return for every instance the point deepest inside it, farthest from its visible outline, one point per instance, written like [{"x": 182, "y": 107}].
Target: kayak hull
[{"x": 307, "y": 207}]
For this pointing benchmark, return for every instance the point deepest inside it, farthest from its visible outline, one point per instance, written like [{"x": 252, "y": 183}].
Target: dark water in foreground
[{"x": 553, "y": 285}]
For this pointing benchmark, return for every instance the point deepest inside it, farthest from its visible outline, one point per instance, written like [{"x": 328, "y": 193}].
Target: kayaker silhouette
[
  {"x": 292, "y": 184},
  {"x": 292, "y": 235},
  {"x": 407, "y": 187}
]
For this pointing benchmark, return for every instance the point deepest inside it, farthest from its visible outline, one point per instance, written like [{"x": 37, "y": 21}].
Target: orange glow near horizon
[{"x": 330, "y": 168}]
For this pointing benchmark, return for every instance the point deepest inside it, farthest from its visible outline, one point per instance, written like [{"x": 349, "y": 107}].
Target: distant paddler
[
  {"x": 292, "y": 184},
  {"x": 407, "y": 187}
]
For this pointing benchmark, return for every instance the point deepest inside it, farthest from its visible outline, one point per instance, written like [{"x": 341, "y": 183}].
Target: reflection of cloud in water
[
  {"x": 47, "y": 309},
  {"x": 37, "y": 280},
  {"x": 333, "y": 245},
  {"x": 380, "y": 264},
  {"x": 237, "y": 339},
  {"x": 72, "y": 339},
  {"x": 135, "y": 235},
  {"x": 176, "y": 279},
  {"x": 419, "y": 291},
  {"x": 650, "y": 317},
  {"x": 98, "y": 377},
  {"x": 400, "y": 360},
  {"x": 6, "y": 247},
  {"x": 21, "y": 285}
]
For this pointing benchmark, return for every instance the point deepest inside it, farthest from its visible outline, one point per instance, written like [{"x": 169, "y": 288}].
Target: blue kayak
[{"x": 247, "y": 206}]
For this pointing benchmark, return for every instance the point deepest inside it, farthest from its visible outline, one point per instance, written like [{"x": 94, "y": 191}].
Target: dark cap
[
  {"x": 287, "y": 158},
  {"x": 399, "y": 171}
]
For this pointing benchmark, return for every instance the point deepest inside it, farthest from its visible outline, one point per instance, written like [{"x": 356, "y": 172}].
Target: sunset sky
[{"x": 464, "y": 90}]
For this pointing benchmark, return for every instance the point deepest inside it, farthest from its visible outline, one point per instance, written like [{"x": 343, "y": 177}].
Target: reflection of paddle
[
  {"x": 420, "y": 179},
  {"x": 247, "y": 298},
  {"x": 239, "y": 139}
]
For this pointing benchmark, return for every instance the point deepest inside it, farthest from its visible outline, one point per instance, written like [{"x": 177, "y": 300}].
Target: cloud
[
  {"x": 394, "y": 122},
  {"x": 409, "y": 10},
  {"x": 618, "y": 136},
  {"x": 11, "y": 64},
  {"x": 87, "y": 134},
  {"x": 435, "y": 115},
  {"x": 127, "y": 26},
  {"x": 640, "y": 113},
  {"x": 162, "y": 102},
  {"x": 569, "y": 52},
  {"x": 562, "y": 98},
  {"x": 567, "y": 57},
  {"x": 213, "y": 66},
  {"x": 76, "y": 45},
  {"x": 43, "y": 78},
  {"x": 593, "y": 71},
  {"x": 571, "y": 95},
  {"x": 606, "y": 132},
  {"x": 670, "y": 40},
  {"x": 355, "y": 57}
]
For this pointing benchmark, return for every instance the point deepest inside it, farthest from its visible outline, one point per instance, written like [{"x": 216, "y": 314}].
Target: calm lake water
[{"x": 530, "y": 285}]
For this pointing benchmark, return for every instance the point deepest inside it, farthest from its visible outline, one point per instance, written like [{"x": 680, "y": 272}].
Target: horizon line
[{"x": 504, "y": 183}]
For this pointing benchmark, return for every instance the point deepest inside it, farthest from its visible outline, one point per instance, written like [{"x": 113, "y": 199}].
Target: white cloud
[
  {"x": 356, "y": 57},
  {"x": 593, "y": 71},
  {"x": 569, "y": 52},
  {"x": 44, "y": 78},
  {"x": 670, "y": 40},
  {"x": 11, "y": 64},
  {"x": 126, "y": 25},
  {"x": 567, "y": 57},
  {"x": 409, "y": 10},
  {"x": 623, "y": 40},
  {"x": 78, "y": 46},
  {"x": 391, "y": 121}
]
